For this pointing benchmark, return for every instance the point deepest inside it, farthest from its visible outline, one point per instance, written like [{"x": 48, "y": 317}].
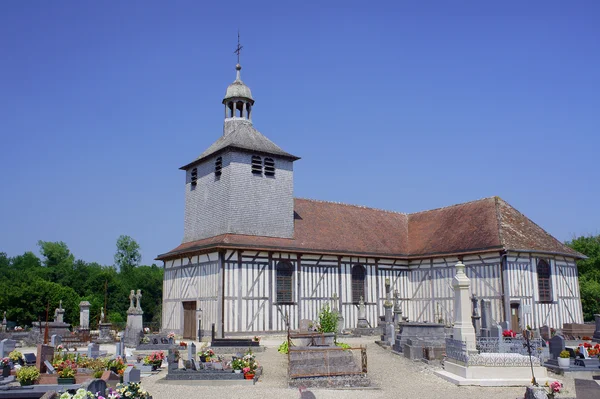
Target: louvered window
[
  {"x": 285, "y": 273},
  {"x": 218, "y": 166},
  {"x": 194, "y": 177},
  {"x": 358, "y": 283},
  {"x": 544, "y": 286},
  {"x": 269, "y": 167},
  {"x": 256, "y": 165}
]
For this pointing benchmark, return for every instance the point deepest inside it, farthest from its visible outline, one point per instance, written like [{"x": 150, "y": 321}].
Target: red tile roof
[{"x": 488, "y": 224}]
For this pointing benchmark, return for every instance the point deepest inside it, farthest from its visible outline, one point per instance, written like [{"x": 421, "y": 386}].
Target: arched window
[
  {"x": 194, "y": 177},
  {"x": 256, "y": 165},
  {"x": 358, "y": 283},
  {"x": 285, "y": 272},
  {"x": 544, "y": 286},
  {"x": 218, "y": 166},
  {"x": 269, "y": 167}
]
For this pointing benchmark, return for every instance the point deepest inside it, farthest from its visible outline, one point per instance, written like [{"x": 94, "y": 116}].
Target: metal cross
[{"x": 238, "y": 49}]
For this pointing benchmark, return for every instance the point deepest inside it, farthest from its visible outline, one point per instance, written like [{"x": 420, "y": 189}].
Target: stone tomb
[
  {"x": 156, "y": 342},
  {"x": 431, "y": 332},
  {"x": 207, "y": 372},
  {"x": 44, "y": 352},
  {"x": 7, "y": 346},
  {"x": 131, "y": 374}
]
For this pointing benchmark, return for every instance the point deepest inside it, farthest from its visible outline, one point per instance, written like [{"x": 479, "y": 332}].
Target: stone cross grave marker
[
  {"x": 7, "y": 346},
  {"x": 49, "y": 367},
  {"x": 557, "y": 345},
  {"x": 44, "y": 352},
  {"x": 131, "y": 374},
  {"x": 55, "y": 340},
  {"x": 93, "y": 350},
  {"x": 191, "y": 351}
]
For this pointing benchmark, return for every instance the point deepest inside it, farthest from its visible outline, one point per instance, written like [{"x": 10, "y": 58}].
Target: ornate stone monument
[
  {"x": 475, "y": 318},
  {"x": 463, "y": 327},
  {"x": 84, "y": 315},
  {"x": 362, "y": 315},
  {"x": 135, "y": 323},
  {"x": 104, "y": 335},
  {"x": 59, "y": 313},
  {"x": 389, "y": 330}
]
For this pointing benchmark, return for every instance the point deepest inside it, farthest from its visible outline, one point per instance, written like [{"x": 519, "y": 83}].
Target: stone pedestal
[
  {"x": 134, "y": 328},
  {"x": 596, "y": 337},
  {"x": 463, "y": 328},
  {"x": 104, "y": 336},
  {"x": 84, "y": 315},
  {"x": 362, "y": 315}
]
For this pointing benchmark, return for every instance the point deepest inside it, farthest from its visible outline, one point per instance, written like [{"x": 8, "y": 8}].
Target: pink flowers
[
  {"x": 509, "y": 334},
  {"x": 4, "y": 361},
  {"x": 246, "y": 370},
  {"x": 556, "y": 386}
]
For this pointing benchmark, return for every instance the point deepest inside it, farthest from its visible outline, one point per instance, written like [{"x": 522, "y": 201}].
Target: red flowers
[{"x": 509, "y": 334}]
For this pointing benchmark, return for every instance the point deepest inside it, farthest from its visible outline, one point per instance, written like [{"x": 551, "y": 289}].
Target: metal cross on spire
[{"x": 238, "y": 49}]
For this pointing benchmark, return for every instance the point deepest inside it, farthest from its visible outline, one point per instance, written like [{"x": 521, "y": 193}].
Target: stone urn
[{"x": 564, "y": 362}]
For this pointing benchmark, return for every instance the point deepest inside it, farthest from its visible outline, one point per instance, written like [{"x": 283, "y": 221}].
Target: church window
[
  {"x": 544, "y": 286},
  {"x": 285, "y": 272},
  {"x": 218, "y": 166},
  {"x": 269, "y": 167},
  {"x": 358, "y": 283},
  {"x": 194, "y": 177},
  {"x": 256, "y": 165}
]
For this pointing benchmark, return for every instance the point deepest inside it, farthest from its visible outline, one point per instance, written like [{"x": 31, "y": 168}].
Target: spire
[{"x": 238, "y": 99}]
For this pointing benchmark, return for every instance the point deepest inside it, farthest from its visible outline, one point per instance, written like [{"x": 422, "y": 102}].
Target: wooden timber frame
[{"x": 237, "y": 288}]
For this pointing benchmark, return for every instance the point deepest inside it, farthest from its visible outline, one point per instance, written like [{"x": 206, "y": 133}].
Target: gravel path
[{"x": 392, "y": 375}]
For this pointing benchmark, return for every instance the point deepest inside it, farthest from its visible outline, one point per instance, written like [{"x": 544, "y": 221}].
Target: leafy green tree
[
  {"x": 589, "y": 273},
  {"x": 128, "y": 254}
]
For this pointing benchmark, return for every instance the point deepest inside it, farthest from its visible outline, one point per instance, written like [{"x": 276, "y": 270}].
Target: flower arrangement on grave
[
  {"x": 256, "y": 338},
  {"x": 553, "y": 388},
  {"x": 183, "y": 344},
  {"x": 18, "y": 328},
  {"x": 146, "y": 330},
  {"x": 509, "y": 334},
  {"x": 79, "y": 394},
  {"x": 4, "y": 362},
  {"x": 249, "y": 363},
  {"x": 206, "y": 355},
  {"x": 28, "y": 375},
  {"x": 155, "y": 358},
  {"x": 586, "y": 344},
  {"x": 586, "y": 338},
  {"x": 15, "y": 356},
  {"x": 171, "y": 335},
  {"x": 117, "y": 365},
  {"x": 237, "y": 364},
  {"x": 133, "y": 390},
  {"x": 59, "y": 348},
  {"x": 67, "y": 369},
  {"x": 564, "y": 354}
]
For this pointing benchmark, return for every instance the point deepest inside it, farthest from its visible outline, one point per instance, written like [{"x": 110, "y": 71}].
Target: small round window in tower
[
  {"x": 256, "y": 165},
  {"x": 269, "y": 167},
  {"x": 218, "y": 166}
]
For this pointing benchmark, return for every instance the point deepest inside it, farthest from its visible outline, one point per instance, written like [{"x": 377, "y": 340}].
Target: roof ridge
[
  {"x": 453, "y": 205},
  {"x": 353, "y": 205}
]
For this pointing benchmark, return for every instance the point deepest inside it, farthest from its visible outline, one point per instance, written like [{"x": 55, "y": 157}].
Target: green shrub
[
  {"x": 564, "y": 354},
  {"x": 328, "y": 320},
  {"x": 283, "y": 348},
  {"x": 343, "y": 345},
  {"x": 27, "y": 375}
]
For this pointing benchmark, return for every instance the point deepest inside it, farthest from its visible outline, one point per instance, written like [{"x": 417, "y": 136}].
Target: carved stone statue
[
  {"x": 102, "y": 314},
  {"x": 4, "y": 318},
  {"x": 139, "y": 300},
  {"x": 60, "y": 305},
  {"x": 131, "y": 298}
]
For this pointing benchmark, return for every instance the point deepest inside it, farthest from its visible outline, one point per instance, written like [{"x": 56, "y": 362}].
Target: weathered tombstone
[
  {"x": 131, "y": 374},
  {"x": 84, "y": 315},
  {"x": 49, "y": 367},
  {"x": 55, "y": 340},
  {"x": 93, "y": 350},
  {"x": 59, "y": 313},
  {"x": 545, "y": 333},
  {"x": 7, "y": 346},
  {"x": 362, "y": 315},
  {"x": 486, "y": 317},
  {"x": 304, "y": 325},
  {"x": 44, "y": 352},
  {"x": 496, "y": 331},
  {"x": 194, "y": 364},
  {"x": 94, "y": 386},
  {"x": 557, "y": 345},
  {"x": 191, "y": 351},
  {"x": 135, "y": 325}
]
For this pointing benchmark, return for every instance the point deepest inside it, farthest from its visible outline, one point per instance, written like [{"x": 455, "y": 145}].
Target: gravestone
[
  {"x": 191, "y": 349},
  {"x": 135, "y": 324},
  {"x": 194, "y": 367},
  {"x": 119, "y": 349},
  {"x": 496, "y": 331},
  {"x": 557, "y": 345},
  {"x": 55, "y": 340},
  {"x": 173, "y": 357},
  {"x": 504, "y": 325},
  {"x": 596, "y": 336},
  {"x": 95, "y": 385},
  {"x": 44, "y": 352},
  {"x": 49, "y": 367},
  {"x": 110, "y": 378},
  {"x": 304, "y": 325},
  {"x": 131, "y": 374},
  {"x": 7, "y": 346},
  {"x": 486, "y": 317},
  {"x": 29, "y": 359},
  {"x": 545, "y": 333},
  {"x": 59, "y": 313},
  {"x": 362, "y": 315},
  {"x": 84, "y": 315},
  {"x": 93, "y": 350}
]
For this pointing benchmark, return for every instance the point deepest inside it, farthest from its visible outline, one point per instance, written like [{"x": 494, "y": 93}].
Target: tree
[
  {"x": 128, "y": 254},
  {"x": 589, "y": 273}
]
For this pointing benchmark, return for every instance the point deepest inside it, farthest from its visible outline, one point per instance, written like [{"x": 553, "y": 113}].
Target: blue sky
[{"x": 404, "y": 106}]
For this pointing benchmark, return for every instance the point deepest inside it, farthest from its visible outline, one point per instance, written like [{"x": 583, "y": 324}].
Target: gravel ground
[{"x": 393, "y": 377}]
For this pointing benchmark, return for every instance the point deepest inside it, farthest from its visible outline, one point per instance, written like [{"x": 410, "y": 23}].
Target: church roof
[
  {"x": 241, "y": 134},
  {"x": 485, "y": 225}
]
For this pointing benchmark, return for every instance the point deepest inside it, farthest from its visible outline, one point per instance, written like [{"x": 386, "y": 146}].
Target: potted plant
[
  {"x": 132, "y": 390},
  {"x": 5, "y": 363},
  {"x": 250, "y": 365},
  {"x": 206, "y": 355},
  {"x": 564, "y": 359},
  {"x": 16, "y": 357},
  {"x": 27, "y": 375},
  {"x": 237, "y": 365}
]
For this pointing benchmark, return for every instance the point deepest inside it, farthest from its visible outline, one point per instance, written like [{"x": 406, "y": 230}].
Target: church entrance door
[
  {"x": 189, "y": 320},
  {"x": 514, "y": 317}
]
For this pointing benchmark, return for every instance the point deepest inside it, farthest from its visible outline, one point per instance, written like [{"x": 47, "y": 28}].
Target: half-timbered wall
[
  {"x": 190, "y": 279},
  {"x": 522, "y": 286}
]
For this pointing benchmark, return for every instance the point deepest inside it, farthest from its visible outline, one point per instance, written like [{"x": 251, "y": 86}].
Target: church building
[{"x": 252, "y": 254}]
